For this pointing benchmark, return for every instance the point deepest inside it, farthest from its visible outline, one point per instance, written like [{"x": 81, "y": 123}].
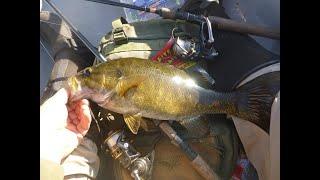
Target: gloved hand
[{"x": 62, "y": 126}]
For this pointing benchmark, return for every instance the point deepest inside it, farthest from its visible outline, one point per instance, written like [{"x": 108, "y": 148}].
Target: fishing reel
[
  {"x": 140, "y": 167},
  {"x": 188, "y": 49}
]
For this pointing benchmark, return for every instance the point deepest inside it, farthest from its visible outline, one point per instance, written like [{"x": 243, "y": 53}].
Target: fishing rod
[
  {"x": 197, "y": 162},
  {"x": 87, "y": 43},
  {"x": 216, "y": 22}
]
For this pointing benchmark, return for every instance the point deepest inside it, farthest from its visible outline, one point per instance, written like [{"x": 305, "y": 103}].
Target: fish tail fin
[{"x": 254, "y": 99}]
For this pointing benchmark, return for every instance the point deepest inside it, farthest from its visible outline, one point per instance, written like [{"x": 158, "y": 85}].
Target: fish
[{"x": 140, "y": 88}]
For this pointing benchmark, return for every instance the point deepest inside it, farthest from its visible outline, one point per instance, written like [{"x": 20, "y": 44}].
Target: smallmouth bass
[{"x": 140, "y": 88}]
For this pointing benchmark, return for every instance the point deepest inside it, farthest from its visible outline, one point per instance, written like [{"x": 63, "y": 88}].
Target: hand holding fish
[{"x": 62, "y": 125}]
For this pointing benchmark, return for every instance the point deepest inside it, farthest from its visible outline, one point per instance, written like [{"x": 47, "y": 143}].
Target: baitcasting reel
[{"x": 129, "y": 158}]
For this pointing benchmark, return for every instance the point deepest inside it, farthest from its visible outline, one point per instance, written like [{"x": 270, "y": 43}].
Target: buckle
[{"x": 119, "y": 36}]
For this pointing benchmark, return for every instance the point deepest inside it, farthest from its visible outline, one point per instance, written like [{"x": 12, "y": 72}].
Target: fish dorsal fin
[
  {"x": 133, "y": 122},
  {"x": 125, "y": 83}
]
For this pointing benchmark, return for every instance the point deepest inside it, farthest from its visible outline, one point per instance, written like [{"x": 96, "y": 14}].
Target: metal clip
[
  {"x": 207, "y": 50},
  {"x": 210, "y": 40}
]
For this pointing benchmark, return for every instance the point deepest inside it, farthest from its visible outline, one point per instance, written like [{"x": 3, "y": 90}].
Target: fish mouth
[
  {"x": 84, "y": 93},
  {"x": 102, "y": 98},
  {"x": 79, "y": 91}
]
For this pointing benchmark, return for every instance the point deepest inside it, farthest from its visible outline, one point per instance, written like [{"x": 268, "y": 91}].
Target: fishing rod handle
[
  {"x": 198, "y": 163},
  {"x": 220, "y": 23},
  {"x": 244, "y": 28},
  {"x": 203, "y": 168}
]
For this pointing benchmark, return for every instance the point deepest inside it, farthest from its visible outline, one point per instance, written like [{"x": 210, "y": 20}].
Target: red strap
[
  {"x": 165, "y": 55},
  {"x": 166, "y": 48}
]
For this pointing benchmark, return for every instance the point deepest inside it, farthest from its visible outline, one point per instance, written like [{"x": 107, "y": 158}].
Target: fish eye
[
  {"x": 119, "y": 73},
  {"x": 87, "y": 72}
]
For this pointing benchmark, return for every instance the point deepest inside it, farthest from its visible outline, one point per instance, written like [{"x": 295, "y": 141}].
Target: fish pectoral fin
[
  {"x": 125, "y": 83},
  {"x": 133, "y": 122}
]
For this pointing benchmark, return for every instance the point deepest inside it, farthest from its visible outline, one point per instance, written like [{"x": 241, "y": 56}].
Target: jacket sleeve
[{"x": 50, "y": 170}]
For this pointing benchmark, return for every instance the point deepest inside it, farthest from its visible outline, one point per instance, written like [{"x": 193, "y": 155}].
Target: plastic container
[{"x": 134, "y": 15}]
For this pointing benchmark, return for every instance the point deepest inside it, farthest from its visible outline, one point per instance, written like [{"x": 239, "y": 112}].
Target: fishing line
[
  {"x": 85, "y": 41},
  {"x": 94, "y": 118},
  {"x": 56, "y": 25},
  {"x": 47, "y": 51}
]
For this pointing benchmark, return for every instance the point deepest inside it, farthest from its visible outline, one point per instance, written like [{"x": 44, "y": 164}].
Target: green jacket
[{"x": 50, "y": 170}]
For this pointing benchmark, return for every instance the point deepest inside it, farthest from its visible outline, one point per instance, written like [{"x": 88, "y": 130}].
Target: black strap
[{"x": 57, "y": 80}]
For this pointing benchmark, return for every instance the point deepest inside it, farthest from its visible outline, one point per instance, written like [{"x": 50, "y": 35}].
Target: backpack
[{"x": 145, "y": 39}]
